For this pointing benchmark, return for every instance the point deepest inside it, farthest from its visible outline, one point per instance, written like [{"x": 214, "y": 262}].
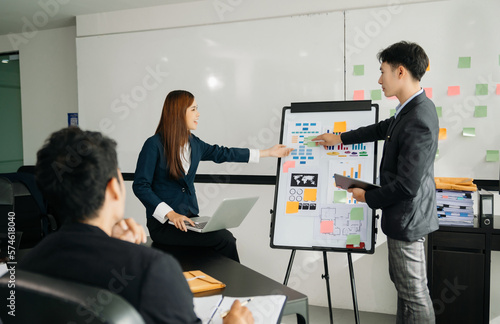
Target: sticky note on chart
[
  {"x": 357, "y": 213},
  {"x": 339, "y": 127},
  {"x": 492, "y": 156},
  {"x": 287, "y": 165},
  {"x": 481, "y": 89},
  {"x": 359, "y": 70},
  {"x": 326, "y": 227},
  {"x": 292, "y": 207},
  {"x": 340, "y": 196},
  {"x": 310, "y": 194},
  {"x": 353, "y": 239},
  {"x": 464, "y": 62}
]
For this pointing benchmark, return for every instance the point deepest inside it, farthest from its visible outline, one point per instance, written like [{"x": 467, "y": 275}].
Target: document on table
[{"x": 265, "y": 309}]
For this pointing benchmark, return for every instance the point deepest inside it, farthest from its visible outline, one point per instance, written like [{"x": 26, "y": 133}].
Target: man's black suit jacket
[
  {"x": 150, "y": 280},
  {"x": 407, "y": 195}
]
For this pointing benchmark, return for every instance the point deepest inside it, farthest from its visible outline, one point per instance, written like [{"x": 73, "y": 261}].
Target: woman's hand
[
  {"x": 278, "y": 150},
  {"x": 179, "y": 220}
]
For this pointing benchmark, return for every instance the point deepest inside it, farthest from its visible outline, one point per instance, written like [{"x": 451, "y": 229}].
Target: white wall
[{"x": 48, "y": 83}]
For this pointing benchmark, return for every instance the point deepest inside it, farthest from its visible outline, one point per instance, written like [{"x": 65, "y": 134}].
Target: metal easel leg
[
  {"x": 326, "y": 276},
  {"x": 353, "y": 288},
  {"x": 289, "y": 268}
]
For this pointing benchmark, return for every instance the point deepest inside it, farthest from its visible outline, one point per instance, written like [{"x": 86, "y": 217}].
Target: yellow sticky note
[
  {"x": 292, "y": 207},
  {"x": 339, "y": 127},
  {"x": 442, "y": 134},
  {"x": 310, "y": 194}
]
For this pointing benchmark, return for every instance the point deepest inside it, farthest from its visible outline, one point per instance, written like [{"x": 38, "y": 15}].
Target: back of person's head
[
  {"x": 72, "y": 171},
  {"x": 409, "y": 55}
]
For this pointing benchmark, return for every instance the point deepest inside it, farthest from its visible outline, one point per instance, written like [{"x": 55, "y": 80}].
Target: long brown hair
[{"x": 173, "y": 129}]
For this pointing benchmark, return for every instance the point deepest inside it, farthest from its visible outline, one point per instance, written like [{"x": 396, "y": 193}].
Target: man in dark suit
[
  {"x": 78, "y": 174},
  {"x": 407, "y": 194}
]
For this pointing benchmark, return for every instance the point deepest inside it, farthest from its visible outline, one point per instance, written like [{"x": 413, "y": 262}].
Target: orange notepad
[{"x": 199, "y": 281}]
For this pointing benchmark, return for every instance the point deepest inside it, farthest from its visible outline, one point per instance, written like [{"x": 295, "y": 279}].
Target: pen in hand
[{"x": 242, "y": 304}]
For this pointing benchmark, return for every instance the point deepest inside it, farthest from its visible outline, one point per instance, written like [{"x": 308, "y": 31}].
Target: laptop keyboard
[{"x": 200, "y": 225}]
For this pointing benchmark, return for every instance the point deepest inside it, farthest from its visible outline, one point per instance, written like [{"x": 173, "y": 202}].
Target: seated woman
[{"x": 164, "y": 176}]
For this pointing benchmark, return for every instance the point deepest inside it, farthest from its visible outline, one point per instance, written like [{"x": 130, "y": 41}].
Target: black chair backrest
[{"x": 43, "y": 299}]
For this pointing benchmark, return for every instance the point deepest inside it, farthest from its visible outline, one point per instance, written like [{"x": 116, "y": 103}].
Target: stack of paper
[{"x": 455, "y": 208}]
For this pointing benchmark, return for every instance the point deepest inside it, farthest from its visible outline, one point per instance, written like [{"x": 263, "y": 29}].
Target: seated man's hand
[
  {"x": 238, "y": 315},
  {"x": 129, "y": 230}
]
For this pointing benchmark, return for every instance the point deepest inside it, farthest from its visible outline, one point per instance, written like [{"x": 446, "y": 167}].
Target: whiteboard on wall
[
  {"x": 241, "y": 74},
  {"x": 447, "y": 31},
  {"x": 310, "y": 212}
]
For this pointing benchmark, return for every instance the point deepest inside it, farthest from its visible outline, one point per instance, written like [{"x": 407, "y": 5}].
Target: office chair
[{"x": 43, "y": 299}]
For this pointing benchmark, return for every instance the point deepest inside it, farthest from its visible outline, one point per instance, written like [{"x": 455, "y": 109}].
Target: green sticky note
[
  {"x": 353, "y": 239},
  {"x": 359, "y": 70},
  {"x": 357, "y": 213},
  {"x": 480, "y": 111},
  {"x": 464, "y": 62},
  {"x": 376, "y": 94},
  {"x": 481, "y": 89},
  {"x": 437, "y": 153},
  {"x": 439, "y": 111},
  {"x": 308, "y": 141},
  {"x": 469, "y": 131},
  {"x": 340, "y": 196},
  {"x": 492, "y": 156},
  {"x": 392, "y": 112}
]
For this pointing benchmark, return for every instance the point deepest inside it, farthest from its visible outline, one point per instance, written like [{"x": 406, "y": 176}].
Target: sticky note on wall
[
  {"x": 428, "y": 92},
  {"x": 359, "y": 69},
  {"x": 359, "y": 95},
  {"x": 442, "y": 134},
  {"x": 498, "y": 89},
  {"x": 310, "y": 194},
  {"x": 492, "y": 156},
  {"x": 292, "y": 207},
  {"x": 480, "y": 111},
  {"x": 464, "y": 62},
  {"x": 439, "y": 111},
  {"x": 469, "y": 131},
  {"x": 376, "y": 94},
  {"x": 481, "y": 89},
  {"x": 453, "y": 90}
]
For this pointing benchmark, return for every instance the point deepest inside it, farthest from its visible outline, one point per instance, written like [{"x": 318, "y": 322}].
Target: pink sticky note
[
  {"x": 326, "y": 227},
  {"x": 359, "y": 95},
  {"x": 453, "y": 90},
  {"x": 428, "y": 92},
  {"x": 287, "y": 165},
  {"x": 498, "y": 89}
]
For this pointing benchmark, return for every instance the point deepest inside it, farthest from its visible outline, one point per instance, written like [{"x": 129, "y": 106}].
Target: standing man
[{"x": 407, "y": 194}]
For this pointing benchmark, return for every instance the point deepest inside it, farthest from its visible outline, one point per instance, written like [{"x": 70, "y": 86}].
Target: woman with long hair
[{"x": 164, "y": 176}]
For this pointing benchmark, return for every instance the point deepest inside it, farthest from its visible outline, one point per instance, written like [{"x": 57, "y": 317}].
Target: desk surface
[{"x": 240, "y": 280}]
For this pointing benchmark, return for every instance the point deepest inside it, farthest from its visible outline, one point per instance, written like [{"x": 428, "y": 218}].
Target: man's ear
[
  {"x": 401, "y": 71},
  {"x": 113, "y": 188}
]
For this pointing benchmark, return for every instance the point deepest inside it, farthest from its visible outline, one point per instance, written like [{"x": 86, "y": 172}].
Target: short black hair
[
  {"x": 409, "y": 55},
  {"x": 72, "y": 171}
]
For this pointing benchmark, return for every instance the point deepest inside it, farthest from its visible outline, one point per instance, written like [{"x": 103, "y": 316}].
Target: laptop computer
[{"x": 230, "y": 213}]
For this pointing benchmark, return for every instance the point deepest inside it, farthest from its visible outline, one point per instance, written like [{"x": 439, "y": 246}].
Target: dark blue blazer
[
  {"x": 153, "y": 185},
  {"x": 407, "y": 195}
]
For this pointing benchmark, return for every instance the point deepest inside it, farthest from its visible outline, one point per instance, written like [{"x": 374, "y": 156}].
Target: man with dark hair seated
[{"x": 77, "y": 172}]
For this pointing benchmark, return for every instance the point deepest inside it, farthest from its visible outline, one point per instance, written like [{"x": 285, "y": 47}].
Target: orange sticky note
[
  {"x": 498, "y": 89},
  {"x": 287, "y": 165},
  {"x": 442, "y": 134},
  {"x": 453, "y": 90},
  {"x": 428, "y": 92},
  {"x": 428, "y": 67},
  {"x": 339, "y": 127},
  {"x": 359, "y": 95},
  {"x": 292, "y": 207},
  {"x": 310, "y": 194},
  {"x": 326, "y": 227}
]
